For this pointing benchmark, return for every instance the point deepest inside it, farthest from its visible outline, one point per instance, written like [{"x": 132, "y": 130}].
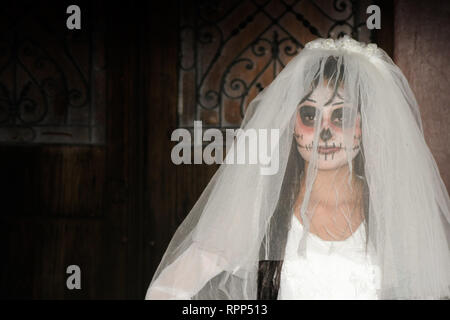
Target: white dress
[{"x": 331, "y": 270}]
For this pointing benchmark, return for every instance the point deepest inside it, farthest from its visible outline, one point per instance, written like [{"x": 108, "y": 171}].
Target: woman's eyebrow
[
  {"x": 308, "y": 99},
  {"x": 336, "y": 103}
]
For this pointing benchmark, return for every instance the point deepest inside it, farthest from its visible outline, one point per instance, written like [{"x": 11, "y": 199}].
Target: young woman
[{"x": 356, "y": 209}]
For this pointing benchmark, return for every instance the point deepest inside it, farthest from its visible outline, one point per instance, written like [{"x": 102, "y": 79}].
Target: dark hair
[
  {"x": 269, "y": 271},
  {"x": 331, "y": 72}
]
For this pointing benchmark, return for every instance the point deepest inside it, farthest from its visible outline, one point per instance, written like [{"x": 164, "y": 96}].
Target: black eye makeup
[
  {"x": 337, "y": 117},
  {"x": 308, "y": 115}
]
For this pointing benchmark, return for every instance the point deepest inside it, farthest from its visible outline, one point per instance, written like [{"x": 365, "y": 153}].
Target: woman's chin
[
  {"x": 330, "y": 165},
  {"x": 329, "y": 160}
]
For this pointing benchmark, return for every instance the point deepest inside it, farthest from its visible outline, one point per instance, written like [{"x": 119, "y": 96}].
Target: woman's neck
[
  {"x": 335, "y": 205},
  {"x": 333, "y": 187}
]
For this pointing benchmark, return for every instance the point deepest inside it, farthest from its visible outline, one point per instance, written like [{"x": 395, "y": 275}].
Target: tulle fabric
[{"x": 215, "y": 252}]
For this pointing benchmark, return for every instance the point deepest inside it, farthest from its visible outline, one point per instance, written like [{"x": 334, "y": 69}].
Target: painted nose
[{"x": 325, "y": 135}]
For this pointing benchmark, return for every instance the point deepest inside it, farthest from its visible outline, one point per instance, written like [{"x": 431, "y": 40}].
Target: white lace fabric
[{"x": 332, "y": 270}]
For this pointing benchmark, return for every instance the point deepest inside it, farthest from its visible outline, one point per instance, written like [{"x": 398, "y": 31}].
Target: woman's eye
[
  {"x": 308, "y": 115},
  {"x": 337, "y": 117}
]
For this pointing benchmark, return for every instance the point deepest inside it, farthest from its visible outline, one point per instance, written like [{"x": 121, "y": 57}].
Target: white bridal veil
[{"x": 242, "y": 217}]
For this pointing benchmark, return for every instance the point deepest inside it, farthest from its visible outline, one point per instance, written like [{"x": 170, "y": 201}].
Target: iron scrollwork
[
  {"x": 210, "y": 33},
  {"x": 47, "y": 79}
]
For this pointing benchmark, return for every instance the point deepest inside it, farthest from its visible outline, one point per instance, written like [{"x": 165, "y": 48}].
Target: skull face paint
[{"x": 338, "y": 119}]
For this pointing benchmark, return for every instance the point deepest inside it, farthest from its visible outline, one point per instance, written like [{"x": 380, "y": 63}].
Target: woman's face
[{"x": 331, "y": 151}]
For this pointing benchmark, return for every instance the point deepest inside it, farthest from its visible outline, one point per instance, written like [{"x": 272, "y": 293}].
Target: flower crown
[{"x": 346, "y": 43}]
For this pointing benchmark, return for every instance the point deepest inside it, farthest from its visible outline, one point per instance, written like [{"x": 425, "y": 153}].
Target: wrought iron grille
[
  {"x": 52, "y": 84},
  {"x": 230, "y": 50}
]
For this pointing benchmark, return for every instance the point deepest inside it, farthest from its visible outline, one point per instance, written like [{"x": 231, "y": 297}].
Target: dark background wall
[
  {"x": 422, "y": 48},
  {"x": 111, "y": 205}
]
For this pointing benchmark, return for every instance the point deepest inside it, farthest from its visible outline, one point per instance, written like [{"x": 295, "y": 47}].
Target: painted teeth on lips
[{"x": 328, "y": 149}]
